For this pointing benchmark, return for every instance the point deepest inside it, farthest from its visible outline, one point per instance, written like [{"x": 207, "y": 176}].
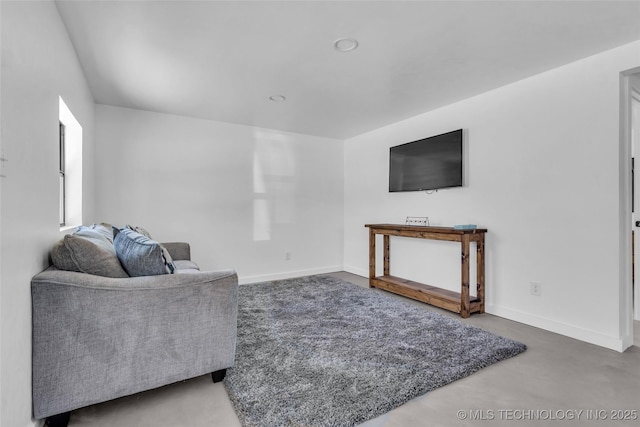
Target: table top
[{"x": 427, "y": 228}]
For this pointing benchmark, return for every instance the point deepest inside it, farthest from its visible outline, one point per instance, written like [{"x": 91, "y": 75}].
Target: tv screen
[{"x": 427, "y": 164}]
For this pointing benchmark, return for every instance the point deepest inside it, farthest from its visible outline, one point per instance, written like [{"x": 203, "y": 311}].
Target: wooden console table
[{"x": 461, "y": 302}]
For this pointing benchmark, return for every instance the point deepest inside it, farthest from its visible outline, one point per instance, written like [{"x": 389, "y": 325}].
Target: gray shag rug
[{"x": 318, "y": 351}]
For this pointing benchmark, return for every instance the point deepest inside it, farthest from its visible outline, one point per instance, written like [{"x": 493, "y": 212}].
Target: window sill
[{"x": 67, "y": 228}]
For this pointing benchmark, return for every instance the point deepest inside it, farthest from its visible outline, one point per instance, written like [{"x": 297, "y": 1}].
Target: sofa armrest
[
  {"x": 100, "y": 338},
  {"x": 178, "y": 250}
]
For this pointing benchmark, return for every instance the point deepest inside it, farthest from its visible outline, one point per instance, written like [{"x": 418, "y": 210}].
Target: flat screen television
[{"x": 427, "y": 164}]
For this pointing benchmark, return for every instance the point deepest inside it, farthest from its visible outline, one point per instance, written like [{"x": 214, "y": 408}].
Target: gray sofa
[{"x": 99, "y": 338}]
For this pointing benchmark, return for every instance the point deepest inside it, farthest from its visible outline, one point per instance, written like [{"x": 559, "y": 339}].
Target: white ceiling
[{"x": 222, "y": 60}]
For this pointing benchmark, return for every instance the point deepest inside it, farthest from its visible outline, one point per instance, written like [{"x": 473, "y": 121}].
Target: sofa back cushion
[
  {"x": 140, "y": 230},
  {"x": 140, "y": 255},
  {"x": 87, "y": 250}
]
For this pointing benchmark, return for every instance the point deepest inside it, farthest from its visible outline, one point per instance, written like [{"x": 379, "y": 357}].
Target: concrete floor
[{"x": 557, "y": 381}]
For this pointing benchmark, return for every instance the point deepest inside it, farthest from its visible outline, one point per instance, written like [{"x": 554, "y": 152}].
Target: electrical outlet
[{"x": 536, "y": 288}]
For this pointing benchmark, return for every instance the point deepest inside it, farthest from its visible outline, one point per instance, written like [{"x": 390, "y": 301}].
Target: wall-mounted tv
[{"x": 427, "y": 164}]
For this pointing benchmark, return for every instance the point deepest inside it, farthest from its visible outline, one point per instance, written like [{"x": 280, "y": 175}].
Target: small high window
[
  {"x": 63, "y": 186},
  {"x": 70, "y": 168}
]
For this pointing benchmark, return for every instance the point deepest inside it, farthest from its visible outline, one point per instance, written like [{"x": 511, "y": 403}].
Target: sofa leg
[
  {"x": 218, "y": 376},
  {"x": 60, "y": 420}
]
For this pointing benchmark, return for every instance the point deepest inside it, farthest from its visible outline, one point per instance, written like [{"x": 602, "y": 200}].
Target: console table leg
[
  {"x": 464, "y": 294},
  {"x": 386, "y": 254},
  {"x": 480, "y": 271},
  {"x": 372, "y": 257}
]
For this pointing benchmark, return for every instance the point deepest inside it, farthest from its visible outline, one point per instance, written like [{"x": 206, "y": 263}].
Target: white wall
[
  {"x": 241, "y": 196},
  {"x": 542, "y": 174},
  {"x": 38, "y": 66}
]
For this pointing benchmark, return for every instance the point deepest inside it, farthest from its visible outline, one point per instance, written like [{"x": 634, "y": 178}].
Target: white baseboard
[
  {"x": 244, "y": 280},
  {"x": 586, "y": 335},
  {"x": 357, "y": 271}
]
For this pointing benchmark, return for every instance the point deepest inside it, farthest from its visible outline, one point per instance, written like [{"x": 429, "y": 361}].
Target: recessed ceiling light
[
  {"x": 345, "y": 45},
  {"x": 277, "y": 98}
]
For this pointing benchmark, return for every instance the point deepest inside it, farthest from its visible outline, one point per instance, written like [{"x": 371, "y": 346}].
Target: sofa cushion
[
  {"x": 102, "y": 228},
  {"x": 140, "y": 230},
  {"x": 87, "y": 250},
  {"x": 184, "y": 264},
  {"x": 140, "y": 255},
  {"x": 178, "y": 250}
]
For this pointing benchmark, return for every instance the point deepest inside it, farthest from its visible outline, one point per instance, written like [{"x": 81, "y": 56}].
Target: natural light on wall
[
  {"x": 273, "y": 182},
  {"x": 71, "y": 193}
]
